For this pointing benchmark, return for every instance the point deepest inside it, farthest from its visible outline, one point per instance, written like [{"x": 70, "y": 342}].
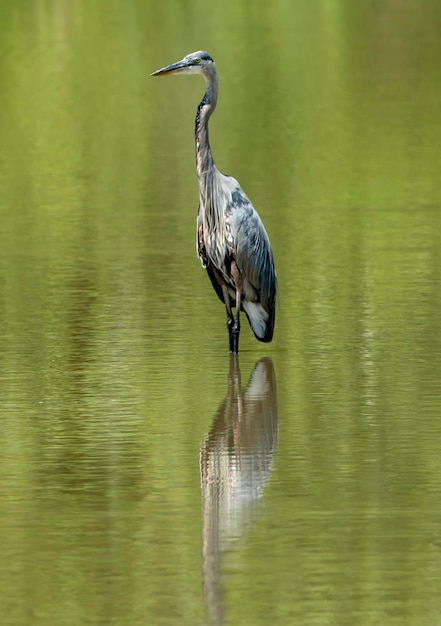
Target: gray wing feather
[{"x": 252, "y": 248}]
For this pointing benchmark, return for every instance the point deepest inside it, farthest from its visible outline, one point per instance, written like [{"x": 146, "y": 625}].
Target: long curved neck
[{"x": 204, "y": 158}]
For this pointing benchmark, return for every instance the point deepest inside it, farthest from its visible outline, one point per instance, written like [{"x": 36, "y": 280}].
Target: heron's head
[{"x": 194, "y": 63}]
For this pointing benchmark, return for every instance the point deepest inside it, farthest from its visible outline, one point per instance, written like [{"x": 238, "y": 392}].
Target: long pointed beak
[{"x": 174, "y": 68}]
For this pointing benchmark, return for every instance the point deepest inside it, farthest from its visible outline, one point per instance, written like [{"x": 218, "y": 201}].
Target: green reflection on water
[{"x": 113, "y": 348}]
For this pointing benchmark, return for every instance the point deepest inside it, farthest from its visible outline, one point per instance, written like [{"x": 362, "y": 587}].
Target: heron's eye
[{"x": 197, "y": 61}]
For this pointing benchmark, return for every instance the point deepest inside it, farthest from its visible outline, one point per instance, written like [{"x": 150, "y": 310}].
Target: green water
[{"x": 144, "y": 478}]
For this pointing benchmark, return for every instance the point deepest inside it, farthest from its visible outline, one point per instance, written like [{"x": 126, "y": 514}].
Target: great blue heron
[{"x": 231, "y": 241}]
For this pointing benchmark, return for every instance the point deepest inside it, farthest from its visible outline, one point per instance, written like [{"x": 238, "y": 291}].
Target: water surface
[{"x": 146, "y": 478}]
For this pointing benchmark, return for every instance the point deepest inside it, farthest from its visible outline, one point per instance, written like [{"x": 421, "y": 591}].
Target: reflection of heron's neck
[{"x": 204, "y": 158}]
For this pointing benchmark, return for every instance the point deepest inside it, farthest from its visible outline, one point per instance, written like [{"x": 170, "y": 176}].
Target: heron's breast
[{"x": 219, "y": 248}]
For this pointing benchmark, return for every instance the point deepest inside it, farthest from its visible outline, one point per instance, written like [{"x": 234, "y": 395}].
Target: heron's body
[{"x": 231, "y": 241}]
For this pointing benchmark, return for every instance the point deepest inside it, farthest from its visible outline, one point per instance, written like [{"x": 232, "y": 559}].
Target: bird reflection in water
[{"x": 236, "y": 462}]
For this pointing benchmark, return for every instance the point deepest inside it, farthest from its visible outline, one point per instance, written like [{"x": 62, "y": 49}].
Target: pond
[{"x": 147, "y": 476}]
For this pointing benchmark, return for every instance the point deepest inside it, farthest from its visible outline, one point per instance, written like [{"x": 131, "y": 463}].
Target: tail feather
[{"x": 262, "y": 323}]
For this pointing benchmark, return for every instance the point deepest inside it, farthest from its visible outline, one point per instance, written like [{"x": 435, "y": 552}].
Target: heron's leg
[
  {"x": 230, "y": 318},
  {"x": 235, "y": 330},
  {"x": 226, "y": 296},
  {"x": 231, "y": 322},
  {"x": 234, "y": 326}
]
